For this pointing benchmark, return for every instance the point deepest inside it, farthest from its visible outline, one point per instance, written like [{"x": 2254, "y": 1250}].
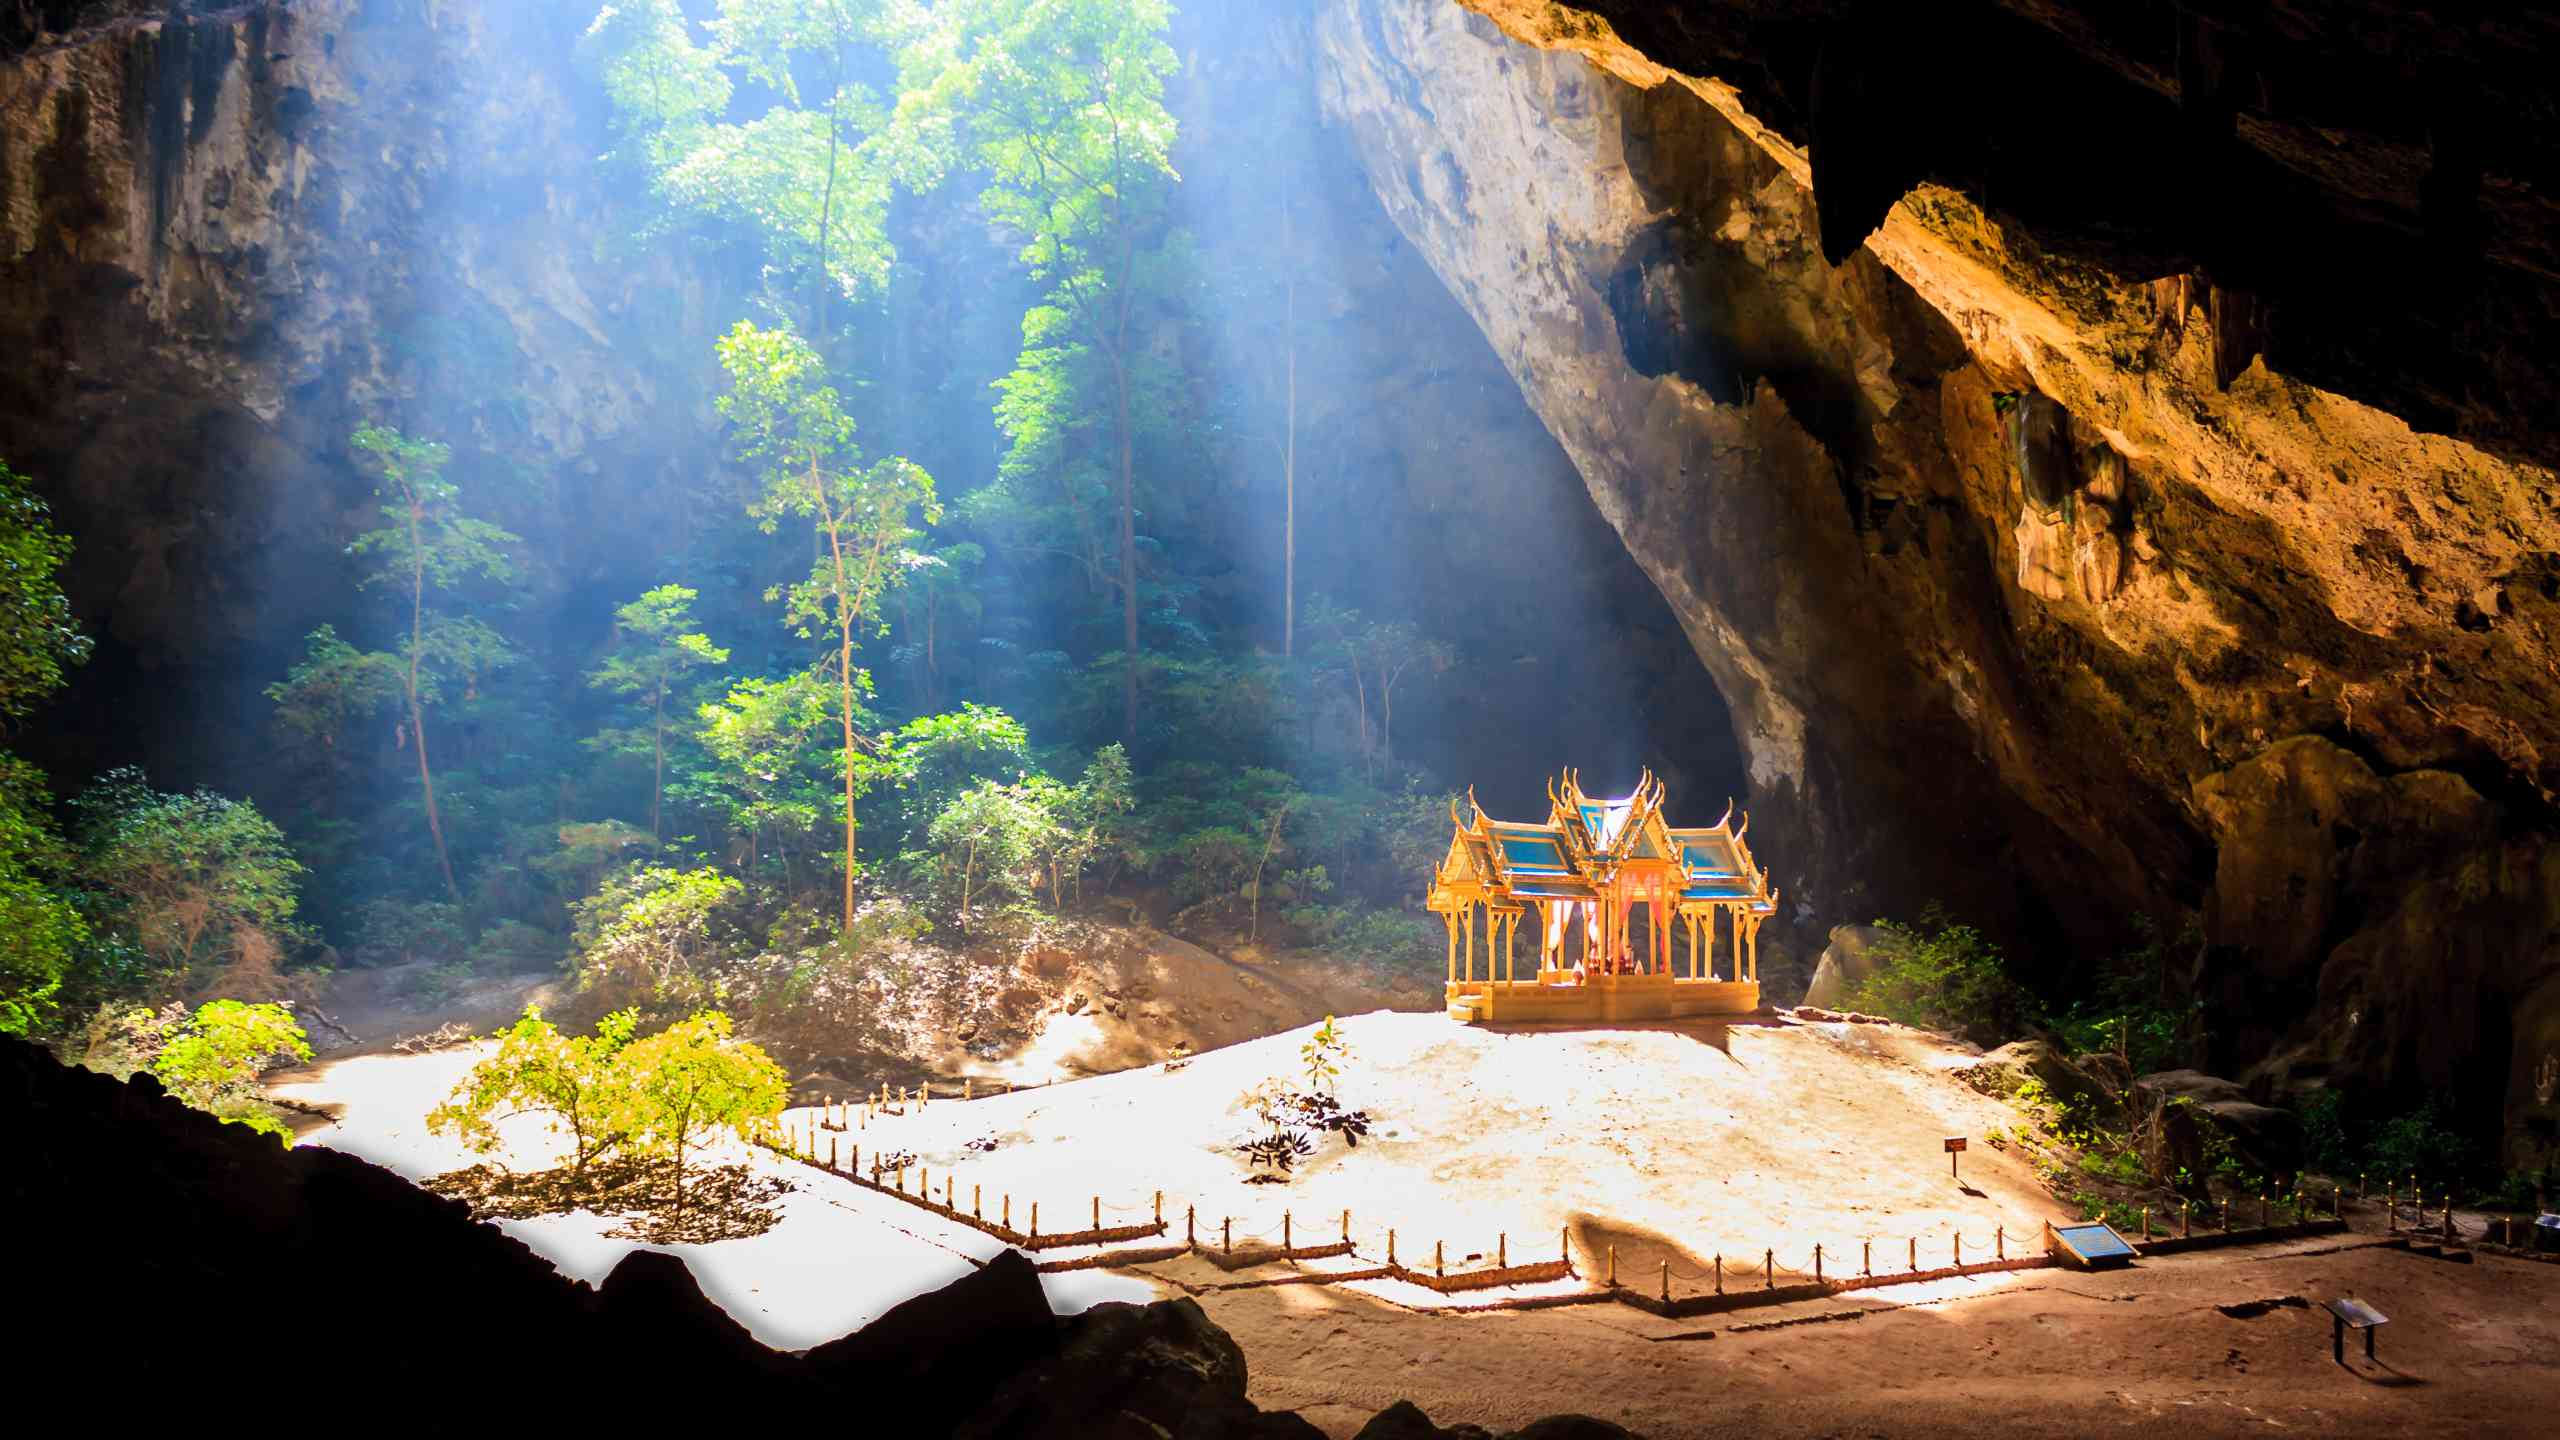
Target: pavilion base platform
[{"x": 1599, "y": 998}]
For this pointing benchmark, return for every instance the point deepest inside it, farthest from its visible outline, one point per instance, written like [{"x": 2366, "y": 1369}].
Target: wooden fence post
[
  {"x": 1817, "y": 1263},
  {"x": 1502, "y": 1250},
  {"x": 1097, "y": 1213},
  {"x": 1866, "y": 1257},
  {"x": 1007, "y": 1221},
  {"x": 974, "y": 1212},
  {"x": 1159, "y": 1208},
  {"x": 1288, "y": 1242},
  {"x": 2146, "y": 1224},
  {"x": 1391, "y": 1249},
  {"x": 1666, "y": 1285},
  {"x": 1439, "y": 1266},
  {"x": 1227, "y": 1235},
  {"x": 1190, "y": 1230},
  {"x": 1666, "y": 1270},
  {"x": 2186, "y": 1219},
  {"x": 2000, "y": 1242},
  {"x": 1346, "y": 1228},
  {"x": 1959, "y": 1250},
  {"x": 1915, "y": 1254},
  {"x": 1613, "y": 1267},
  {"x": 1035, "y": 1219},
  {"x": 1769, "y": 1269}
]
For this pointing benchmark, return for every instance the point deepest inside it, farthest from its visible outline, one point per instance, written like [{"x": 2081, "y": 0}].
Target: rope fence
[{"x": 830, "y": 1142}]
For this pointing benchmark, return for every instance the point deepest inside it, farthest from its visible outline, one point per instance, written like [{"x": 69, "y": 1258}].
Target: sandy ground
[
  {"x": 839, "y": 1257},
  {"x": 1670, "y": 1142},
  {"x": 1673, "y": 1142},
  {"x": 2470, "y": 1350}
]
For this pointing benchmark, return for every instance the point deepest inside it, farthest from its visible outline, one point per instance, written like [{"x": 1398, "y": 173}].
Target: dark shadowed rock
[
  {"x": 1404, "y": 1420},
  {"x": 1571, "y": 1427},
  {"x": 2180, "y": 1103},
  {"x": 1136, "y": 1371},
  {"x": 382, "y": 1299},
  {"x": 959, "y": 1340}
]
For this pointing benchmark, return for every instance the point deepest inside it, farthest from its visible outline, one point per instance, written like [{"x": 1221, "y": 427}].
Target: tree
[
  {"x": 332, "y": 685},
  {"x": 656, "y": 649},
  {"x": 39, "y": 638},
  {"x": 40, "y": 934},
  {"x": 800, "y": 176},
  {"x": 1060, "y": 105},
  {"x": 210, "y": 1060},
  {"x": 693, "y": 1080},
  {"x": 191, "y": 876},
  {"x": 992, "y": 836},
  {"x": 760, "y": 739},
  {"x": 429, "y": 547},
  {"x": 654, "y": 934},
  {"x": 575, "y": 1080},
  {"x": 44, "y": 934},
  {"x": 792, "y": 422}
]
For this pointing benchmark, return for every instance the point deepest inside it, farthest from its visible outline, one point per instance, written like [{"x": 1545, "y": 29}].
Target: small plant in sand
[{"x": 1324, "y": 1055}]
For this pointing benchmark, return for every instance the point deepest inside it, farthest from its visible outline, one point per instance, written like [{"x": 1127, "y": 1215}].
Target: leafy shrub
[
  {"x": 2422, "y": 1144},
  {"x": 512, "y": 945},
  {"x": 1944, "y": 976},
  {"x": 659, "y": 937},
  {"x": 402, "y": 932}
]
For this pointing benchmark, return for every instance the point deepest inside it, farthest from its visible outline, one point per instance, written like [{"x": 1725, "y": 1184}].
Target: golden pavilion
[{"x": 1591, "y": 872}]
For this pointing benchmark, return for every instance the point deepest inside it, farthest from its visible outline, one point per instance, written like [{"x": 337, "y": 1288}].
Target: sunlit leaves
[
  {"x": 38, "y": 636},
  {"x": 805, "y": 176},
  {"x": 213, "y": 1059}
]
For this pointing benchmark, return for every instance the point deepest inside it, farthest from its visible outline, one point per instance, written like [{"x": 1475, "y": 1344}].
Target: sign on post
[{"x": 1955, "y": 1147}]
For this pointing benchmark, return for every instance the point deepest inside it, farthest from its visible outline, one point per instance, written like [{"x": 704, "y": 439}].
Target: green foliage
[
  {"x": 578, "y": 1081},
  {"x": 767, "y": 776},
  {"x": 2130, "y": 1006},
  {"x": 657, "y": 647},
  {"x": 694, "y": 1080},
  {"x": 39, "y": 638},
  {"x": 2424, "y": 1143},
  {"x": 333, "y": 685},
  {"x": 987, "y": 842},
  {"x": 41, "y": 935},
  {"x": 212, "y": 1059},
  {"x": 46, "y": 936},
  {"x": 1944, "y": 976},
  {"x": 403, "y": 932},
  {"x": 1324, "y": 1054},
  {"x": 656, "y": 936},
  {"x": 189, "y": 879},
  {"x": 801, "y": 176}
]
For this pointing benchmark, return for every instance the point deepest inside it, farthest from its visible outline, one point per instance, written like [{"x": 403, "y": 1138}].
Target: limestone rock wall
[
  {"x": 2001, "y": 556},
  {"x": 229, "y": 233}
]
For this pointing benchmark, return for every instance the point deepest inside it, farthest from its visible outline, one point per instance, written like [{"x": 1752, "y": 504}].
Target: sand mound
[{"x": 1676, "y": 1141}]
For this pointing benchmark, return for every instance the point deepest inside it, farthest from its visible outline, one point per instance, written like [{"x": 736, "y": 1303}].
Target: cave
[{"x": 692, "y": 507}]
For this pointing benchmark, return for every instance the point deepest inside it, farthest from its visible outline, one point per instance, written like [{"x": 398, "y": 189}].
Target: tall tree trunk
[
  {"x": 417, "y": 713},
  {"x": 658, "y": 771}
]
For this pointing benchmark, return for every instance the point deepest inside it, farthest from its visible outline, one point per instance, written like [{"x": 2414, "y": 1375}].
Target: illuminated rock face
[
  {"x": 2002, "y": 557},
  {"x": 227, "y": 238}
]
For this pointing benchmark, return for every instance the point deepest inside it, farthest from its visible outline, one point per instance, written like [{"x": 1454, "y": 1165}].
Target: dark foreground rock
[{"x": 178, "y": 1255}]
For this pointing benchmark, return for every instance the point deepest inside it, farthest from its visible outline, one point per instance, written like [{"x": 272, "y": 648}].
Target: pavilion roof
[{"x": 1583, "y": 845}]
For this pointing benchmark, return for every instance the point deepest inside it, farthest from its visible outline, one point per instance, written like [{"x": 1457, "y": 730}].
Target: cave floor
[{"x": 2471, "y": 1350}]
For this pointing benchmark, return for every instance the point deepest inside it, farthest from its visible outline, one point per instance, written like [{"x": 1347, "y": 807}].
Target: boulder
[
  {"x": 2005, "y": 1070},
  {"x": 1404, "y": 1420},
  {"x": 1850, "y": 958},
  {"x": 2266, "y": 1140},
  {"x": 1152, "y": 1371}
]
